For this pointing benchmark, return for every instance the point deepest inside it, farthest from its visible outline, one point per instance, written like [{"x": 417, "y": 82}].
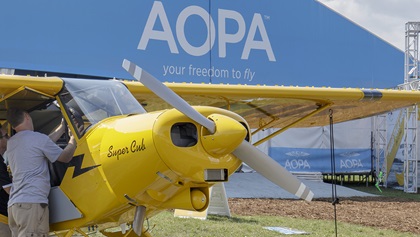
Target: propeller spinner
[{"x": 246, "y": 152}]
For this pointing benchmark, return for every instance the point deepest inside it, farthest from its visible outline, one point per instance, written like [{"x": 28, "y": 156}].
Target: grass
[
  {"x": 387, "y": 192},
  {"x": 165, "y": 224},
  {"x": 359, "y": 183}
]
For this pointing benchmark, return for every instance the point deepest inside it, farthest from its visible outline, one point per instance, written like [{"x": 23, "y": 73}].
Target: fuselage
[{"x": 160, "y": 160}]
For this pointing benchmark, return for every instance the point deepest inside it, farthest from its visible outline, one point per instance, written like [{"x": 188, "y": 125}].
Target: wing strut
[{"x": 318, "y": 110}]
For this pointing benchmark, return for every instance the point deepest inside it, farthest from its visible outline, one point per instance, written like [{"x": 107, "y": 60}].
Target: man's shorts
[{"x": 29, "y": 219}]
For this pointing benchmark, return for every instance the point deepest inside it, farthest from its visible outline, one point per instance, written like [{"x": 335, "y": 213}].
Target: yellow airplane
[{"x": 146, "y": 146}]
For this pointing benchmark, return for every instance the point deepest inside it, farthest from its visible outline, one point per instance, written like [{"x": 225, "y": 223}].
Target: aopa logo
[
  {"x": 297, "y": 164},
  {"x": 351, "y": 164},
  {"x": 256, "y": 27}
]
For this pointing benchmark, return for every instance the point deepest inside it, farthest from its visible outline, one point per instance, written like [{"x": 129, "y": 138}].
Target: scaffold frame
[
  {"x": 380, "y": 143},
  {"x": 410, "y": 150},
  {"x": 411, "y": 82}
]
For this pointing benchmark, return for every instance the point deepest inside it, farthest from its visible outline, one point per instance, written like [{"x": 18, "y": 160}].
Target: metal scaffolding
[
  {"x": 380, "y": 143},
  {"x": 409, "y": 119},
  {"x": 411, "y": 62},
  {"x": 410, "y": 150},
  {"x": 411, "y": 82}
]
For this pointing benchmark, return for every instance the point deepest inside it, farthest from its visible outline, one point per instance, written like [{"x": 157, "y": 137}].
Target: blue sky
[{"x": 384, "y": 18}]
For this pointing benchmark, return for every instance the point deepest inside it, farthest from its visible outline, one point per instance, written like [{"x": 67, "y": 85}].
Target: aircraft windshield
[{"x": 96, "y": 100}]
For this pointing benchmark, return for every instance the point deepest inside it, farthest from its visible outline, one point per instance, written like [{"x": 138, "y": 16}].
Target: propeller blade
[
  {"x": 167, "y": 95},
  {"x": 246, "y": 152},
  {"x": 272, "y": 170}
]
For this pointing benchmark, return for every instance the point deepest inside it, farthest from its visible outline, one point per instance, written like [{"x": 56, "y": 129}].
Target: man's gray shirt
[{"x": 27, "y": 153}]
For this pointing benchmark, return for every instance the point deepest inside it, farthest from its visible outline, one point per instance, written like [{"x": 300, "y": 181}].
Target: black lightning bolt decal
[{"x": 77, "y": 162}]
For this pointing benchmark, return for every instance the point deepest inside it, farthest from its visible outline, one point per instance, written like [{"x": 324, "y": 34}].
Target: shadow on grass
[{"x": 231, "y": 219}]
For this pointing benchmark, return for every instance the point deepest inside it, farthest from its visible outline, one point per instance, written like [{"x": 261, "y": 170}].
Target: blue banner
[
  {"x": 319, "y": 160},
  {"x": 284, "y": 42}
]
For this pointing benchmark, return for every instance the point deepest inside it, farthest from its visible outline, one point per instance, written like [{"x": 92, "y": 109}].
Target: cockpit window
[{"x": 95, "y": 100}]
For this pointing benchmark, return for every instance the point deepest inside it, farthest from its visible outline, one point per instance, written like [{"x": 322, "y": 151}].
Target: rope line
[{"x": 334, "y": 197}]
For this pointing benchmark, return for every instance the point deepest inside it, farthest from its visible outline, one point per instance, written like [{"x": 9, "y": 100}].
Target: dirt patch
[{"x": 386, "y": 213}]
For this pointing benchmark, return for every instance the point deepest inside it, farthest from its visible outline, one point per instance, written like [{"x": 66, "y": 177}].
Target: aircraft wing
[
  {"x": 282, "y": 106},
  {"x": 261, "y": 106},
  {"x": 26, "y": 92}
]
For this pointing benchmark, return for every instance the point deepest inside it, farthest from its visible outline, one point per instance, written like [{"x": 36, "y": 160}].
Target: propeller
[
  {"x": 272, "y": 170},
  {"x": 167, "y": 94},
  {"x": 246, "y": 152}
]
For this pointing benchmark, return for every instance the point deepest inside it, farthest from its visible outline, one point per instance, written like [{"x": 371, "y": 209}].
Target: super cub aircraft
[{"x": 144, "y": 146}]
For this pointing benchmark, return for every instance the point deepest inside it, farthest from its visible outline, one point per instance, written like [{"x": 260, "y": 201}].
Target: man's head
[
  {"x": 19, "y": 119},
  {"x": 3, "y": 139}
]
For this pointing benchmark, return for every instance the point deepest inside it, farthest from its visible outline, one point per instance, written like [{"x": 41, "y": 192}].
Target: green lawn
[
  {"x": 386, "y": 192},
  {"x": 165, "y": 225}
]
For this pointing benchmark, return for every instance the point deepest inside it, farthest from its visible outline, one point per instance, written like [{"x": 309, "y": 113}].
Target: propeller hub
[{"x": 227, "y": 136}]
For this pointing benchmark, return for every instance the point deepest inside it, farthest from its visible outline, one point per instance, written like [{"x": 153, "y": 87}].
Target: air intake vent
[
  {"x": 184, "y": 134},
  {"x": 216, "y": 175}
]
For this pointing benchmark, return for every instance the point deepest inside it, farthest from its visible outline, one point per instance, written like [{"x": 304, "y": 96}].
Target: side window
[
  {"x": 77, "y": 118},
  {"x": 88, "y": 102}
]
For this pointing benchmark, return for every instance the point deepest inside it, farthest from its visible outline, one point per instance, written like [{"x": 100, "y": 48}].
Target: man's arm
[
  {"x": 5, "y": 180},
  {"x": 68, "y": 152},
  {"x": 58, "y": 131},
  {"x": 7, "y": 189}
]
